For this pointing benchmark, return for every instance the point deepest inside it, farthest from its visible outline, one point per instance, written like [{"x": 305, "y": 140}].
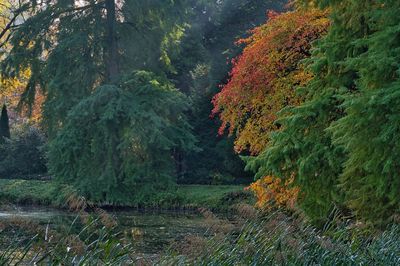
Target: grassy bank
[{"x": 35, "y": 192}]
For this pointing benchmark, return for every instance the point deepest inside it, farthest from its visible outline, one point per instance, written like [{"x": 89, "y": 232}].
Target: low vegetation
[
  {"x": 37, "y": 192},
  {"x": 279, "y": 239},
  {"x": 267, "y": 239}
]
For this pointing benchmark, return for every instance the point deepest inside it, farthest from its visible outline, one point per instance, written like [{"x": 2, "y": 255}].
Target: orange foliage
[
  {"x": 273, "y": 192},
  {"x": 264, "y": 78},
  {"x": 10, "y": 94}
]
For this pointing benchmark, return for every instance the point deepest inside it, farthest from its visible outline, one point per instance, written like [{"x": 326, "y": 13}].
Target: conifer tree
[
  {"x": 105, "y": 124},
  {"x": 341, "y": 144},
  {"x": 4, "y": 124}
]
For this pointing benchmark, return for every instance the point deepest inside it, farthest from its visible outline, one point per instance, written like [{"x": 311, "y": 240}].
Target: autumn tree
[
  {"x": 264, "y": 80},
  {"x": 272, "y": 192},
  {"x": 265, "y": 77},
  {"x": 204, "y": 57}
]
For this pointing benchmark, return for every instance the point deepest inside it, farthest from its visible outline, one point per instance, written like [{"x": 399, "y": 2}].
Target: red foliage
[{"x": 265, "y": 76}]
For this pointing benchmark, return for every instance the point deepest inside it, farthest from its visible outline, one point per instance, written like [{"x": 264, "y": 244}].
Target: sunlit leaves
[
  {"x": 264, "y": 78},
  {"x": 274, "y": 192}
]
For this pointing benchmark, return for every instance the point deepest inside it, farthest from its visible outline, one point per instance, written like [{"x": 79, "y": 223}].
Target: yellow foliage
[
  {"x": 273, "y": 192},
  {"x": 11, "y": 90},
  {"x": 265, "y": 78}
]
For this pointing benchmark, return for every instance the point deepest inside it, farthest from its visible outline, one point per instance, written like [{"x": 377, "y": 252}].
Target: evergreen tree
[
  {"x": 4, "y": 124},
  {"x": 369, "y": 129},
  {"x": 117, "y": 144},
  {"x": 341, "y": 144},
  {"x": 109, "y": 134}
]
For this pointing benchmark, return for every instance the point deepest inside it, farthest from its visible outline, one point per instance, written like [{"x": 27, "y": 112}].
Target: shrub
[{"x": 23, "y": 155}]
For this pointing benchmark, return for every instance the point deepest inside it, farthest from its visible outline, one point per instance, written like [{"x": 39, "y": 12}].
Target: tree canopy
[
  {"x": 80, "y": 55},
  {"x": 130, "y": 95},
  {"x": 265, "y": 76},
  {"x": 341, "y": 142}
]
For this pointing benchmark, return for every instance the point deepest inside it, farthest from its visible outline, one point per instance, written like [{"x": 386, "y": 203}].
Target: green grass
[
  {"x": 37, "y": 192},
  {"x": 214, "y": 197},
  {"x": 27, "y": 191}
]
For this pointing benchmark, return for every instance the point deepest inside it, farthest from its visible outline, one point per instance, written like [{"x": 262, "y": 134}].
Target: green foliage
[
  {"x": 341, "y": 143},
  {"x": 108, "y": 135},
  {"x": 75, "y": 61},
  {"x": 4, "y": 125},
  {"x": 120, "y": 139},
  {"x": 369, "y": 130},
  {"x": 151, "y": 34},
  {"x": 23, "y": 155},
  {"x": 34, "y": 192}
]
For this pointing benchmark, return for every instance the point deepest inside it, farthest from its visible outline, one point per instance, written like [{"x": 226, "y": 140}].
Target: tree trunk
[{"x": 112, "y": 69}]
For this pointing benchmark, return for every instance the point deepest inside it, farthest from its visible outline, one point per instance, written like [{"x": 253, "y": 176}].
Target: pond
[{"x": 155, "y": 231}]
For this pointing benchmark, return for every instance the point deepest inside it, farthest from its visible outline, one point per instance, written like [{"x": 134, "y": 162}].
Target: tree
[
  {"x": 123, "y": 145},
  {"x": 368, "y": 130},
  {"x": 263, "y": 81},
  {"x": 79, "y": 58},
  {"x": 265, "y": 76},
  {"x": 11, "y": 15},
  {"x": 202, "y": 65},
  {"x": 341, "y": 142},
  {"x": 4, "y": 124}
]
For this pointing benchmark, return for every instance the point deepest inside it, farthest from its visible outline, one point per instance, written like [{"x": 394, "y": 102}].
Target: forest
[{"x": 199, "y": 132}]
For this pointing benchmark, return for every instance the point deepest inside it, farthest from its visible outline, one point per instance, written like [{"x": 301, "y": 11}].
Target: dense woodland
[
  {"x": 59, "y": 54},
  {"x": 115, "y": 98},
  {"x": 123, "y": 100}
]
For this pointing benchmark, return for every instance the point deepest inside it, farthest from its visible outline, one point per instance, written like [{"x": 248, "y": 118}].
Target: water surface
[{"x": 151, "y": 232}]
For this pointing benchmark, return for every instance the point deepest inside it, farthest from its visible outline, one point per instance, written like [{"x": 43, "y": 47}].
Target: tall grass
[
  {"x": 274, "y": 239},
  {"x": 94, "y": 244},
  {"x": 278, "y": 239}
]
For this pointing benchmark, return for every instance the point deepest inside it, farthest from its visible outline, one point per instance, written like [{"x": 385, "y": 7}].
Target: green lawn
[
  {"x": 37, "y": 192},
  {"x": 30, "y": 192},
  {"x": 214, "y": 196}
]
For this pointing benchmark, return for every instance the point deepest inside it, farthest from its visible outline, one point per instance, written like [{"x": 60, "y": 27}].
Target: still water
[{"x": 154, "y": 231}]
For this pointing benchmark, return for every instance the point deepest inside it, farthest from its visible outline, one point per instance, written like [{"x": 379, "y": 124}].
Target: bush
[{"x": 23, "y": 155}]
